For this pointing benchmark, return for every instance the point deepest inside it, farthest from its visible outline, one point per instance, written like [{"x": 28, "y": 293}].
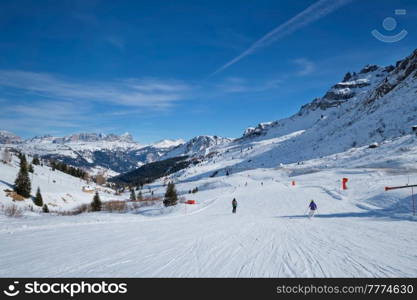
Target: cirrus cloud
[{"x": 145, "y": 93}]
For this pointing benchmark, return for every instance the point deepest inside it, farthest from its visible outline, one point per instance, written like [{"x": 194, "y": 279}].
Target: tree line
[{"x": 63, "y": 167}]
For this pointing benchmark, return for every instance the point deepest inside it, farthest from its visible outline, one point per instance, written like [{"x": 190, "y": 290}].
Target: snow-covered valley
[
  {"x": 363, "y": 231},
  {"x": 362, "y": 129}
]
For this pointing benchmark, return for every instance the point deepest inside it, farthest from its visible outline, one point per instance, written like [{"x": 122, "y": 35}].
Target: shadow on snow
[{"x": 402, "y": 210}]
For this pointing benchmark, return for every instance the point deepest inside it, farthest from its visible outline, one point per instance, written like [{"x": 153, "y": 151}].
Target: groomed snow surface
[{"x": 360, "y": 232}]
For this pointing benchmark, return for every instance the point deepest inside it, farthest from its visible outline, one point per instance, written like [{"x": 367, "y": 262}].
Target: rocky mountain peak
[
  {"x": 7, "y": 137},
  {"x": 352, "y": 85},
  {"x": 403, "y": 70},
  {"x": 93, "y": 137}
]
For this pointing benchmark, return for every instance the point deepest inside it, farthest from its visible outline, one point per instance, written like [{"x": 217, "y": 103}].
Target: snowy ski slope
[{"x": 363, "y": 231}]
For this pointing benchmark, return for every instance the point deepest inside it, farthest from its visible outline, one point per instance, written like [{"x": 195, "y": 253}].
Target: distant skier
[
  {"x": 234, "y": 205},
  {"x": 313, "y": 208}
]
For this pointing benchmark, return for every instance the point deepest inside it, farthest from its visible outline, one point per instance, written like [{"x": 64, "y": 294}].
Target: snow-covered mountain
[
  {"x": 198, "y": 146},
  {"x": 88, "y": 150},
  {"x": 90, "y": 141},
  {"x": 177, "y": 158},
  {"x": 374, "y": 105},
  {"x": 167, "y": 143},
  {"x": 96, "y": 152},
  {"x": 353, "y": 88},
  {"x": 109, "y": 153},
  {"x": 9, "y": 138}
]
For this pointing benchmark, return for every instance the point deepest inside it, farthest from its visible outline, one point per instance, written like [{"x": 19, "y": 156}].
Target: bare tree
[
  {"x": 6, "y": 156},
  {"x": 100, "y": 179}
]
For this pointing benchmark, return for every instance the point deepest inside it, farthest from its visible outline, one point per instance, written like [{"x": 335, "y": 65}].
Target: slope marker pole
[{"x": 388, "y": 188}]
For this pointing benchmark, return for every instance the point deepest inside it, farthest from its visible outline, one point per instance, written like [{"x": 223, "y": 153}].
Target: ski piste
[{"x": 269, "y": 236}]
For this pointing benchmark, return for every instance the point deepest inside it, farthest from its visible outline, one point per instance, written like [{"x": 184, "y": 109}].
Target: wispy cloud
[
  {"x": 243, "y": 85},
  {"x": 305, "y": 66},
  {"x": 313, "y": 13},
  {"x": 39, "y": 103},
  {"x": 154, "y": 85},
  {"x": 43, "y": 116},
  {"x": 145, "y": 93}
]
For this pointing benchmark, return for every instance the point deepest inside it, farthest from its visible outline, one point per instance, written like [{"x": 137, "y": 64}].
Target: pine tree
[
  {"x": 140, "y": 196},
  {"x": 96, "y": 204},
  {"x": 132, "y": 195},
  {"x": 30, "y": 169},
  {"x": 22, "y": 184},
  {"x": 45, "y": 208},
  {"x": 38, "y": 198},
  {"x": 23, "y": 161},
  {"x": 36, "y": 161},
  {"x": 171, "y": 197}
]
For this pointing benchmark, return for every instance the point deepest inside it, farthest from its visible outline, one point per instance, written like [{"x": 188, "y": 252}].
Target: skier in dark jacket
[
  {"x": 313, "y": 208},
  {"x": 234, "y": 205}
]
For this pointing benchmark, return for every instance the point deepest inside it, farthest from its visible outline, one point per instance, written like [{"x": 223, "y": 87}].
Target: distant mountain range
[
  {"x": 9, "y": 138},
  {"x": 373, "y": 105},
  {"x": 109, "y": 153}
]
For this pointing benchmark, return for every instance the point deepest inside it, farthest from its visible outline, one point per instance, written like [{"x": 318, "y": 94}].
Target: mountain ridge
[{"x": 371, "y": 105}]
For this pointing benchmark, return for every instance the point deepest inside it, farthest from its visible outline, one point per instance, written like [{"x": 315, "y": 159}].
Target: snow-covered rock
[
  {"x": 198, "y": 146},
  {"x": 167, "y": 143},
  {"x": 9, "y": 138}
]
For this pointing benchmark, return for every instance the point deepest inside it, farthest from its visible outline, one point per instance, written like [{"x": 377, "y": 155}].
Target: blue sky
[{"x": 177, "y": 69}]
